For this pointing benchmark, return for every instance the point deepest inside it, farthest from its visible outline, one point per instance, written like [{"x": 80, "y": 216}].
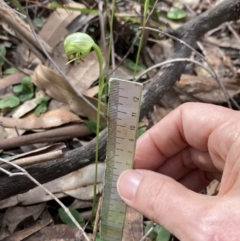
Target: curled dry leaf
[
  {"x": 13, "y": 216},
  {"x": 50, "y": 119},
  {"x": 58, "y": 88},
  {"x": 68, "y": 183}
]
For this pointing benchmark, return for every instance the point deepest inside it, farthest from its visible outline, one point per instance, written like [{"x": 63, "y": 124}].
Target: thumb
[{"x": 165, "y": 201}]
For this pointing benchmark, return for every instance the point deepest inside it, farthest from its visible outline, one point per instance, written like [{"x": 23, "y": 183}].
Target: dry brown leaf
[
  {"x": 92, "y": 91},
  {"x": 12, "y": 132},
  {"x": 14, "y": 216},
  {"x": 50, "y": 119},
  {"x": 56, "y": 232},
  {"x": 55, "y": 29},
  {"x": 83, "y": 73},
  {"x": 58, "y": 88},
  {"x": 22, "y": 234},
  {"x": 25, "y": 108},
  {"x": 12, "y": 79},
  {"x": 207, "y": 89}
]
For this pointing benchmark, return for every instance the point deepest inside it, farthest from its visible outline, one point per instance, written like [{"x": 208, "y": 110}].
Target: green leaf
[
  {"x": 9, "y": 71},
  {"x": 11, "y": 102},
  {"x": 17, "y": 88},
  {"x": 176, "y": 14},
  {"x": 42, "y": 100},
  {"x": 131, "y": 65},
  {"x": 92, "y": 126},
  {"x": 3, "y": 52},
  {"x": 42, "y": 108},
  {"x": 26, "y": 96},
  {"x": 153, "y": 234},
  {"x": 38, "y": 22},
  {"x": 140, "y": 131},
  {"x": 27, "y": 85},
  {"x": 42, "y": 105},
  {"x": 65, "y": 218},
  {"x": 162, "y": 234}
]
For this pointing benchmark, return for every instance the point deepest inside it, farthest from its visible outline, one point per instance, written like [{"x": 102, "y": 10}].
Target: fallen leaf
[
  {"x": 12, "y": 79},
  {"x": 26, "y": 232},
  {"x": 56, "y": 232},
  {"x": 23, "y": 109},
  {"x": 55, "y": 29},
  {"x": 58, "y": 88},
  {"x": 50, "y": 119},
  {"x": 15, "y": 215},
  {"x": 207, "y": 89},
  {"x": 82, "y": 74}
]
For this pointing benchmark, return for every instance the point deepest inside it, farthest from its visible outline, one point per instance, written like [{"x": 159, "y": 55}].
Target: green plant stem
[
  {"x": 111, "y": 36},
  {"x": 101, "y": 85},
  {"x": 146, "y": 5}
]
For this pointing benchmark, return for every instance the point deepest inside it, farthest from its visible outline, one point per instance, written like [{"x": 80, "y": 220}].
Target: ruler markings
[{"x": 123, "y": 114}]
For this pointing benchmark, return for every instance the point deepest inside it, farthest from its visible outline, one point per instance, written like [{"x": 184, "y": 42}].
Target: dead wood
[{"x": 190, "y": 32}]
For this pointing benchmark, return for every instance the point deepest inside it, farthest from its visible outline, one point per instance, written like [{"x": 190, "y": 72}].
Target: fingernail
[{"x": 128, "y": 183}]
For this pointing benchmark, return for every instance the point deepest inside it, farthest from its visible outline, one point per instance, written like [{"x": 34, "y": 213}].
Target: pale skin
[{"x": 178, "y": 157}]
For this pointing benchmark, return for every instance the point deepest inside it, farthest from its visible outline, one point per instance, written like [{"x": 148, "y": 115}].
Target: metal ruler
[{"x": 123, "y": 118}]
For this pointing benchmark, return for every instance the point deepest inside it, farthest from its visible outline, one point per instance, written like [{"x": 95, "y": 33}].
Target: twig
[
  {"x": 57, "y": 134},
  {"x": 173, "y": 61},
  {"x": 148, "y": 232},
  {"x": 25, "y": 173},
  {"x": 27, "y": 161}
]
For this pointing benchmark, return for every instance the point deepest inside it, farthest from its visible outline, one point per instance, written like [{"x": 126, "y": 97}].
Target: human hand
[{"x": 179, "y": 156}]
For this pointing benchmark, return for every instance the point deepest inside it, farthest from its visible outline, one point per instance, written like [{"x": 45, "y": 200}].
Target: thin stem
[
  {"x": 111, "y": 36},
  {"x": 142, "y": 35},
  {"x": 101, "y": 85}
]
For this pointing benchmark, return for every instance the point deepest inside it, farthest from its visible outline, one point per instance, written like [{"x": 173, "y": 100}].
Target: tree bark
[{"x": 190, "y": 32}]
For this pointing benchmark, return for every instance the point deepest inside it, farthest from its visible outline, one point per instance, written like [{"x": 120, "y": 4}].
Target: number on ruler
[
  {"x": 132, "y": 128},
  {"x": 135, "y": 99}
]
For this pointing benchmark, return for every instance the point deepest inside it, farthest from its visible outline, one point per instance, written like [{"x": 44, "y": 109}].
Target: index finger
[{"x": 191, "y": 124}]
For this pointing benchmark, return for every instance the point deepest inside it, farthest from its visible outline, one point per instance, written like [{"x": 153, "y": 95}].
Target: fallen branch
[
  {"x": 190, "y": 32},
  {"x": 57, "y": 134}
]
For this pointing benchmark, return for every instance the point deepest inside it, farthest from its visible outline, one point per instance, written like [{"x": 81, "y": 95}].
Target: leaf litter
[{"x": 22, "y": 104}]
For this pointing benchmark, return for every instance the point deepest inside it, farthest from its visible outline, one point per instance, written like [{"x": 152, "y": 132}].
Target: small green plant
[
  {"x": 25, "y": 90},
  {"x": 80, "y": 45},
  {"x": 11, "y": 102},
  {"x": 146, "y": 5},
  {"x": 41, "y": 105},
  {"x": 65, "y": 218}
]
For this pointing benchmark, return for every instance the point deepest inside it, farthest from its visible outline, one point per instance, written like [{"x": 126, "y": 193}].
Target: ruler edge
[{"x": 138, "y": 116}]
